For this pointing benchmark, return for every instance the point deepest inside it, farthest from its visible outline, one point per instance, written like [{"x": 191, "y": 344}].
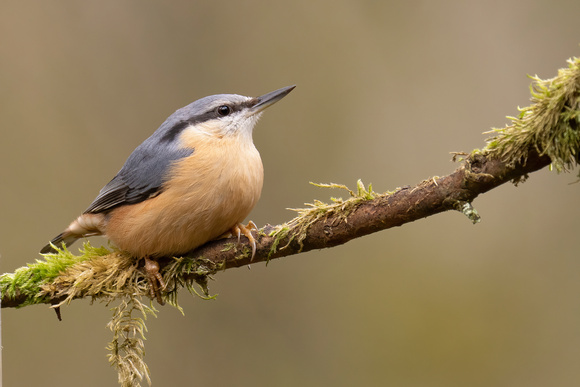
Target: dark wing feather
[
  {"x": 111, "y": 195},
  {"x": 145, "y": 170}
]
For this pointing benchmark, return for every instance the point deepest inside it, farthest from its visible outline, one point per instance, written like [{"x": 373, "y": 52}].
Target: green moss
[
  {"x": 228, "y": 247},
  {"x": 296, "y": 229},
  {"x": 279, "y": 234},
  {"x": 109, "y": 276},
  {"x": 127, "y": 349},
  {"x": 550, "y": 125},
  {"x": 30, "y": 281},
  {"x": 188, "y": 272}
]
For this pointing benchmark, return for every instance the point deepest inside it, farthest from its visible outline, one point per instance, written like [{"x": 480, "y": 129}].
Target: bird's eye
[{"x": 223, "y": 110}]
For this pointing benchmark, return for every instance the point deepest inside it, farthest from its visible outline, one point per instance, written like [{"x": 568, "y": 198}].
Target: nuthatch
[{"x": 196, "y": 178}]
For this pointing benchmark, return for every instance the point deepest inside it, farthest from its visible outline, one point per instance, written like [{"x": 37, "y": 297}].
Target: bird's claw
[
  {"x": 155, "y": 279},
  {"x": 240, "y": 229}
]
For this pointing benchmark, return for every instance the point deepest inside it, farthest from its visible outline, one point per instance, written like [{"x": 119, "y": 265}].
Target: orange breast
[{"x": 206, "y": 195}]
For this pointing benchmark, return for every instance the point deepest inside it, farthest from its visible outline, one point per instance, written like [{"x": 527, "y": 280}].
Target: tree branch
[
  {"x": 547, "y": 132},
  {"x": 329, "y": 226}
]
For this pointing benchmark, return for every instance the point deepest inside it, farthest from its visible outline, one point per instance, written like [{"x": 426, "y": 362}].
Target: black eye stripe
[
  {"x": 173, "y": 130},
  {"x": 172, "y": 133},
  {"x": 214, "y": 113}
]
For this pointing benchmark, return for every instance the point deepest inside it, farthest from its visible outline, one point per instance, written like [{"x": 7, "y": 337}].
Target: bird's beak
[{"x": 270, "y": 99}]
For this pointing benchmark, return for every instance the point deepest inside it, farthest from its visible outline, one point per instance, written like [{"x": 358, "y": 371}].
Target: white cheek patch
[
  {"x": 237, "y": 124},
  {"x": 209, "y": 128}
]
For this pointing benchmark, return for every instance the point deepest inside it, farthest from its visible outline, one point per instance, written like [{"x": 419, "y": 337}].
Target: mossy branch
[{"x": 545, "y": 133}]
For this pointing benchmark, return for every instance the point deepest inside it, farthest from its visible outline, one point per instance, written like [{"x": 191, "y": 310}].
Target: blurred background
[{"x": 385, "y": 91}]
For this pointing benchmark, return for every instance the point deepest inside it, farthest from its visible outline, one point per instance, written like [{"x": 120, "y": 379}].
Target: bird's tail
[
  {"x": 64, "y": 237},
  {"x": 84, "y": 226}
]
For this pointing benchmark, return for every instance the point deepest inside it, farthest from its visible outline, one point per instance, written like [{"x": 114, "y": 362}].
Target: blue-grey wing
[{"x": 145, "y": 170}]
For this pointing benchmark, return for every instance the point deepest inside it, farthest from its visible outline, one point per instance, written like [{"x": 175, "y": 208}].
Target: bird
[{"x": 195, "y": 179}]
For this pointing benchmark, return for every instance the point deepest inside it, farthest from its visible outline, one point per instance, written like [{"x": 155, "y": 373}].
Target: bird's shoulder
[{"x": 147, "y": 168}]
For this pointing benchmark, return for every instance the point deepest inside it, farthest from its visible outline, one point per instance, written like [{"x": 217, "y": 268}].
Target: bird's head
[{"x": 221, "y": 115}]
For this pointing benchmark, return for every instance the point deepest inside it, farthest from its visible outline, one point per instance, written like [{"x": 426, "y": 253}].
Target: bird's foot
[
  {"x": 154, "y": 278},
  {"x": 240, "y": 229}
]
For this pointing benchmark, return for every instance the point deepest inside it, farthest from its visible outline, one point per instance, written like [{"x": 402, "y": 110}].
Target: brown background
[{"x": 385, "y": 92}]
